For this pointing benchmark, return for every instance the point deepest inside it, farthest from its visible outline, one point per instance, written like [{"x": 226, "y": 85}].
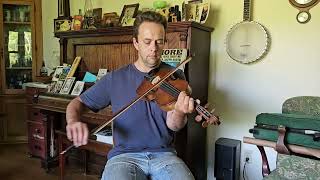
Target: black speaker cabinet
[{"x": 227, "y": 159}]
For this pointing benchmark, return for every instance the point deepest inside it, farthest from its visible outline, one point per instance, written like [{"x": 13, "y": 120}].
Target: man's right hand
[{"x": 78, "y": 133}]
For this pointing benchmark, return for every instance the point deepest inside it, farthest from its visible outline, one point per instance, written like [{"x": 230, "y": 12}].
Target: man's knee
[
  {"x": 122, "y": 171},
  {"x": 178, "y": 171}
]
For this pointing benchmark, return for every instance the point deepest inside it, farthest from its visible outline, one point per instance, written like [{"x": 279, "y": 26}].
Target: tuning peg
[
  {"x": 206, "y": 106},
  {"x": 197, "y": 101},
  {"x": 204, "y": 124}
]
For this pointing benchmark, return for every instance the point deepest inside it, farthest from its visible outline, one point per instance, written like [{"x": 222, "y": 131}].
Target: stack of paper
[{"x": 105, "y": 136}]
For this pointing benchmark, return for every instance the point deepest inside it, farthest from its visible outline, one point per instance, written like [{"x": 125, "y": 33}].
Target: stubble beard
[{"x": 155, "y": 62}]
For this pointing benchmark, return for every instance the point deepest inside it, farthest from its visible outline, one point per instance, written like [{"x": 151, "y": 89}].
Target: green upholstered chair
[
  {"x": 297, "y": 166},
  {"x": 292, "y": 167}
]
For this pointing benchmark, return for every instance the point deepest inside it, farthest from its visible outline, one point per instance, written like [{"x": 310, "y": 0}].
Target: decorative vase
[
  {"x": 88, "y": 9},
  {"x": 21, "y": 15}
]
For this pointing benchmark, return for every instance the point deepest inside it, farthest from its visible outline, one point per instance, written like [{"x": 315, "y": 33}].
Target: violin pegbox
[{"x": 205, "y": 117}]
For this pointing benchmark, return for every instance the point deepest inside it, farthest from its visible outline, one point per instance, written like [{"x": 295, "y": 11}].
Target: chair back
[{"x": 303, "y": 105}]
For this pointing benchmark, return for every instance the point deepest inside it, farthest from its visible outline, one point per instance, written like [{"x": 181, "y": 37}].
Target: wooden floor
[{"x": 15, "y": 164}]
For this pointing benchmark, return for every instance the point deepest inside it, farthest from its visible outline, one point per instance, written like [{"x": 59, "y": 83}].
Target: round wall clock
[
  {"x": 303, "y": 6},
  {"x": 303, "y": 17}
]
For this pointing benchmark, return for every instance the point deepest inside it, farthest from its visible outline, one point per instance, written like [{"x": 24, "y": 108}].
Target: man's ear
[{"x": 135, "y": 43}]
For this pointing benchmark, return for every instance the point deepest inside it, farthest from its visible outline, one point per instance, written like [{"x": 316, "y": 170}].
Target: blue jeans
[{"x": 146, "y": 165}]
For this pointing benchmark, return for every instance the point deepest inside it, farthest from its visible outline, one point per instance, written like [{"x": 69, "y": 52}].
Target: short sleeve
[{"x": 98, "y": 96}]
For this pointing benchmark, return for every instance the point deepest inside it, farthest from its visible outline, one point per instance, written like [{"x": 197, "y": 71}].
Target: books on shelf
[
  {"x": 74, "y": 66},
  {"x": 67, "y": 85},
  {"x": 78, "y": 88},
  {"x": 101, "y": 73},
  {"x": 61, "y": 73}
]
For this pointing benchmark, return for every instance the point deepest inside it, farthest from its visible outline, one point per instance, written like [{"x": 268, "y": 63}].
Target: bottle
[
  {"x": 88, "y": 8},
  {"x": 171, "y": 15},
  {"x": 24, "y": 80},
  {"x": 43, "y": 70},
  {"x": 77, "y": 21},
  {"x": 177, "y": 12},
  {"x": 11, "y": 83},
  {"x": 19, "y": 82}
]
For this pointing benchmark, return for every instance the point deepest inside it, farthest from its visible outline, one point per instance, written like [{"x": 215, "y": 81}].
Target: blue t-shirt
[{"x": 143, "y": 126}]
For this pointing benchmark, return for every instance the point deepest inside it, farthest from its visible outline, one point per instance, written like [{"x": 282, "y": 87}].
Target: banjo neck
[{"x": 246, "y": 10}]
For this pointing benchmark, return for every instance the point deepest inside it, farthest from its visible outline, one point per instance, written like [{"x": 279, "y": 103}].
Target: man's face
[{"x": 150, "y": 43}]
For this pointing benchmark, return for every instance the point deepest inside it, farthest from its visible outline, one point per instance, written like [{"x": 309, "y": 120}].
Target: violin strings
[
  {"x": 175, "y": 92},
  {"x": 172, "y": 90},
  {"x": 204, "y": 111}
]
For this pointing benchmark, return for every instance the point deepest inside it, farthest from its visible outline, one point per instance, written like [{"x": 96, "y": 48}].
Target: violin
[
  {"x": 166, "y": 94},
  {"x": 164, "y": 89}
]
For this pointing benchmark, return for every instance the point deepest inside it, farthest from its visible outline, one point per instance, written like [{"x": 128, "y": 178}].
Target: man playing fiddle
[{"x": 143, "y": 135}]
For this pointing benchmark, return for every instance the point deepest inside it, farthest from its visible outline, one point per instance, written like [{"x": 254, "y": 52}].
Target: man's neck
[{"x": 141, "y": 67}]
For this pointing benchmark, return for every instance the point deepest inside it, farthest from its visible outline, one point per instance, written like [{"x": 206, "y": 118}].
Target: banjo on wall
[{"x": 248, "y": 40}]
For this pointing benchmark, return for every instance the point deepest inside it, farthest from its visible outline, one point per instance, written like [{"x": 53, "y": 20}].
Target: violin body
[
  {"x": 164, "y": 96},
  {"x": 167, "y": 92}
]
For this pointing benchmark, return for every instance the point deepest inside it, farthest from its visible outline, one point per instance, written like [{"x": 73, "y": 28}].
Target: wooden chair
[{"x": 92, "y": 146}]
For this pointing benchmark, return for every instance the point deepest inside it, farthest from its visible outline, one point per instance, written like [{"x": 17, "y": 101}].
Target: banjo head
[{"x": 247, "y": 42}]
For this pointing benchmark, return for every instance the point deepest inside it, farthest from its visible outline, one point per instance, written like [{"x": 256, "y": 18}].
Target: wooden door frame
[{"x": 37, "y": 41}]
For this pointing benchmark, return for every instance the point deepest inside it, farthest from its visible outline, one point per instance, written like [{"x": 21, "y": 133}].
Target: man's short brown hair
[{"x": 148, "y": 16}]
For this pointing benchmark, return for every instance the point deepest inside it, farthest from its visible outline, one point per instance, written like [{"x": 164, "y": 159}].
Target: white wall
[
  {"x": 50, "y": 43},
  {"x": 239, "y": 92}
]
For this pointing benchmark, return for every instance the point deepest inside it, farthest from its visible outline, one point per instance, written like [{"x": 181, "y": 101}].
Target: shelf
[
  {"x": 17, "y": 22},
  {"x": 128, "y": 30},
  {"x": 20, "y": 45},
  {"x": 19, "y": 68}
]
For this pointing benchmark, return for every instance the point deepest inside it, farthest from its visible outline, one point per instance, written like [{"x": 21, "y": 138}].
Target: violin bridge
[{"x": 155, "y": 80}]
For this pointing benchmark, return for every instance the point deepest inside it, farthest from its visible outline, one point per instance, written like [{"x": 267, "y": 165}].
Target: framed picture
[
  {"x": 78, "y": 88},
  {"x": 194, "y": 1},
  {"x": 63, "y": 8},
  {"x": 191, "y": 11},
  {"x": 62, "y": 25},
  {"x": 196, "y": 11},
  {"x": 65, "y": 71},
  {"x": 110, "y": 19},
  {"x": 204, "y": 9},
  {"x": 57, "y": 73},
  {"x": 97, "y": 16},
  {"x": 57, "y": 87},
  {"x": 128, "y": 12},
  {"x": 101, "y": 73},
  {"x": 51, "y": 87},
  {"x": 67, "y": 85}
]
